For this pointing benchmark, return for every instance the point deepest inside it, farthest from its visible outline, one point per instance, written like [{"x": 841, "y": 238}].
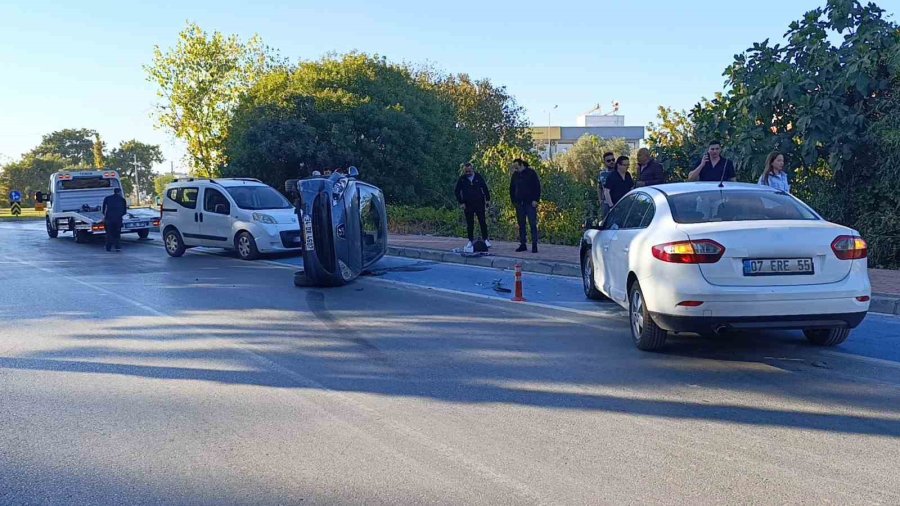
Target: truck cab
[{"x": 75, "y": 204}]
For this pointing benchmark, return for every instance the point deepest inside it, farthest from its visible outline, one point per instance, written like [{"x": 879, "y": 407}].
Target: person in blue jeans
[{"x": 525, "y": 193}]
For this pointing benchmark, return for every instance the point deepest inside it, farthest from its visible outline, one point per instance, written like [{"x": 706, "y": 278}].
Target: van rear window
[{"x": 85, "y": 183}]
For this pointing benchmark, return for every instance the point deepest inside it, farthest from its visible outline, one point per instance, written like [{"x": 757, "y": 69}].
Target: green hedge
[{"x": 555, "y": 226}]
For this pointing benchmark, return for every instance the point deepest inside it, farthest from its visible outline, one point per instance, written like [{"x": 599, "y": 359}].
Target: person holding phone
[{"x": 713, "y": 166}]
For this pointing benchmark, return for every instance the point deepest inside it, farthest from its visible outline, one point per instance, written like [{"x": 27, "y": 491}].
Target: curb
[
  {"x": 880, "y": 303},
  {"x": 537, "y": 267}
]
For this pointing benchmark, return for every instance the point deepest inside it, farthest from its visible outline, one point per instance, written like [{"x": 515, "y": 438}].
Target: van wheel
[
  {"x": 646, "y": 334},
  {"x": 143, "y": 233},
  {"x": 827, "y": 337},
  {"x": 174, "y": 243},
  {"x": 52, "y": 232},
  {"x": 82, "y": 236},
  {"x": 246, "y": 246},
  {"x": 587, "y": 277}
]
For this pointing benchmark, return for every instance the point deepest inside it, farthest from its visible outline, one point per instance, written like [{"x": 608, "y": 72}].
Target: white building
[{"x": 594, "y": 122}]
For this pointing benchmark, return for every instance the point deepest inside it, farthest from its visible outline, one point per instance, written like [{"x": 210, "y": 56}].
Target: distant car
[
  {"x": 697, "y": 257},
  {"x": 245, "y": 215}
]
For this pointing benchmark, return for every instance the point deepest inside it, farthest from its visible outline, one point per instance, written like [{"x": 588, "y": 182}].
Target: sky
[{"x": 80, "y": 64}]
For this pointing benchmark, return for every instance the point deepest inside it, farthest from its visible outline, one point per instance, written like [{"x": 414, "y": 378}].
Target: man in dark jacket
[
  {"x": 650, "y": 172},
  {"x": 114, "y": 208},
  {"x": 473, "y": 196},
  {"x": 525, "y": 193}
]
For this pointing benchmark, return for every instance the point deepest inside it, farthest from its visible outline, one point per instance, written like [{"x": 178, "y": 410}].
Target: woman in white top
[{"x": 774, "y": 174}]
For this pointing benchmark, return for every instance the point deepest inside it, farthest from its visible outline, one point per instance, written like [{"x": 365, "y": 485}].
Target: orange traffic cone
[{"x": 518, "y": 297}]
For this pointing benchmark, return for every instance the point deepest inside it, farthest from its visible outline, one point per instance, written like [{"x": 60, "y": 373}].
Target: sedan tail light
[
  {"x": 850, "y": 247},
  {"x": 702, "y": 251}
]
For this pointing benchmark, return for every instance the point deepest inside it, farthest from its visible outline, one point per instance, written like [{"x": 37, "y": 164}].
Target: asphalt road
[{"x": 138, "y": 378}]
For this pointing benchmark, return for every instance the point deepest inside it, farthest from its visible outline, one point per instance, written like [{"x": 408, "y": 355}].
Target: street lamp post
[
  {"x": 549, "y": 146},
  {"x": 137, "y": 183}
]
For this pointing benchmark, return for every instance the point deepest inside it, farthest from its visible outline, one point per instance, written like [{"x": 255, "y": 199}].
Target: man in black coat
[
  {"x": 114, "y": 208},
  {"x": 525, "y": 193},
  {"x": 473, "y": 196}
]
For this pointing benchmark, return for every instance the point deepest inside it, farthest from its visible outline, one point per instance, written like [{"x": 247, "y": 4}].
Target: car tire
[
  {"x": 173, "y": 243},
  {"x": 646, "y": 334},
  {"x": 82, "y": 236},
  {"x": 143, "y": 233},
  {"x": 587, "y": 277},
  {"x": 52, "y": 232},
  {"x": 827, "y": 337},
  {"x": 245, "y": 245}
]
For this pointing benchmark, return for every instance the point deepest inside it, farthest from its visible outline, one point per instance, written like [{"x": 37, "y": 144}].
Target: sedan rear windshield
[
  {"x": 737, "y": 205},
  {"x": 255, "y": 198}
]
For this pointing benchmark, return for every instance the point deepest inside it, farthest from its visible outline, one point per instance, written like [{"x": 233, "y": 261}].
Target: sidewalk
[{"x": 564, "y": 261}]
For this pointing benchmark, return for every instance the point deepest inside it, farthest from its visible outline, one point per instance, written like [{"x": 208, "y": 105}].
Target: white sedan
[{"x": 707, "y": 258}]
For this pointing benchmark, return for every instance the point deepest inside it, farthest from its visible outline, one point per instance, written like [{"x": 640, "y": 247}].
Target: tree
[
  {"x": 200, "y": 82},
  {"x": 489, "y": 112},
  {"x": 99, "y": 161},
  {"x": 31, "y": 174},
  {"x": 160, "y": 182},
  {"x": 123, "y": 159},
  {"x": 585, "y": 158},
  {"x": 826, "y": 100},
  {"x": 74, "y": 146},
  {"x": 354, "y": 109}
]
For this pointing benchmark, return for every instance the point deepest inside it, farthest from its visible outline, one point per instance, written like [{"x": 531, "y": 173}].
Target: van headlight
[{"x": 264, "y": 218}]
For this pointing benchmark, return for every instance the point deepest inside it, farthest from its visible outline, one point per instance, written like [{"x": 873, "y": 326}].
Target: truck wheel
[
  {"x": 646, "y": 334},
  {"x": 82, "y": 236},
  {"x": 827, "y": 337},
  {"x": 246, "y": 246},
  {"x": 143, "y": 233},
  {"x": 52, "y": 232},
  {"x": 173, "y": 242}
]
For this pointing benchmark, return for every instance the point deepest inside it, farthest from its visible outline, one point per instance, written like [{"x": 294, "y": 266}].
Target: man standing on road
[
  {"x": 525, "y": 193},
  {"x": 609, "y": 165},
  {"x": 650, "y": 172},
  {"x": 473, "y": 196},
  {"x": 713, "y": 166},
  {"x": 114, "y": 208}
]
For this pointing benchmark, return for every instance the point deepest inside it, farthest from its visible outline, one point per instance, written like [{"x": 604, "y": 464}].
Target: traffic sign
[
  {"x": 15, "y": 196},
  {"x": 16, "y": 209}
]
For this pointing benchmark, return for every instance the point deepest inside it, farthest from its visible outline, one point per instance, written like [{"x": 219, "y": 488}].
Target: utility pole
[{"x": 137, "y": 184}]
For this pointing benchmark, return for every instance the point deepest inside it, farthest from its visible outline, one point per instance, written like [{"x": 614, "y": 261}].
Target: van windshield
[{"x": 256, "y": 198}]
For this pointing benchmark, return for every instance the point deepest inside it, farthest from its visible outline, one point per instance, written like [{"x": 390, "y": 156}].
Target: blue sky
[{"x": 72, "y": 65}]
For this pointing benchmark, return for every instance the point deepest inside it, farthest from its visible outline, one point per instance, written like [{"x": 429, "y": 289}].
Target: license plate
[
  {"x": 778, "y": 266},
  {"x": 308, "y": 232},
  {"x": 139, "y": 224}
]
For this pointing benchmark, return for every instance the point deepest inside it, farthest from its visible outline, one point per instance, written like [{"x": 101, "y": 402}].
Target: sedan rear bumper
[{"x": 703, "y": 324}]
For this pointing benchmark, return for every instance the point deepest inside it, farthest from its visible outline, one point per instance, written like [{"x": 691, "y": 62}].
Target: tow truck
[{"x": 76, "y": 205}]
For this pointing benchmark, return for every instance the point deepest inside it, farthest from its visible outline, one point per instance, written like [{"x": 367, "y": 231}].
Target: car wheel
[
  {"x": 174, "y": 243},
  {"x": 82, "y": 236},
  {"x": 587, "y": 277},
  {"x": 827, "y": 337},
  {"x": 143, "y": 233},
  {"x": 646, "y": 334},
  {"x": 246, "y": 246},
  {"x": 52, "y": 232}
]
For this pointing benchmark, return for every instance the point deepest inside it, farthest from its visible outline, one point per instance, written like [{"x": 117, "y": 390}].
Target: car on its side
[
  {"x": 709, "y": 257},
  {"x": 244, "y": 215}
]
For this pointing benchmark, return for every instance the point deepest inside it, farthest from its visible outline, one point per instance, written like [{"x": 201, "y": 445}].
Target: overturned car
[{"x": 343, "y": 227}]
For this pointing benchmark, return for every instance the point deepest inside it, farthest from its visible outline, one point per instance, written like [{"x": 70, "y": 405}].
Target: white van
[{"x": 245, "y": 215}]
